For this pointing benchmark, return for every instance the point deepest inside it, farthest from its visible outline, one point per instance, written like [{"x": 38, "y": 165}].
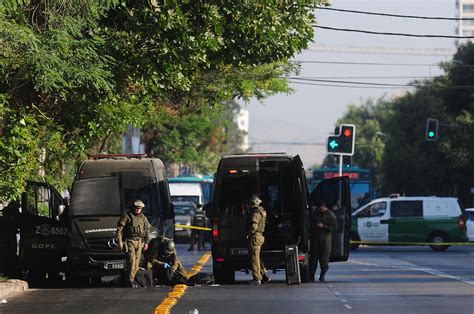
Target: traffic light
[
  {"x": 342, "y": 143},
  {"x": 347, "y": 161},
  {"x": 432, "y": 130}
]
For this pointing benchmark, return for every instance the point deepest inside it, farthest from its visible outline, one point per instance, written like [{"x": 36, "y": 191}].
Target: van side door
[
  {"x": 43, "y": 227},
  {"x": 336, "y": 193}
]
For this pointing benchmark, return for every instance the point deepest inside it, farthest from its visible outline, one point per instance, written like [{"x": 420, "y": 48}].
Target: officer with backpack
[
  {"x": 199, "y": 220},
  {"x": 133, "y": 234}
]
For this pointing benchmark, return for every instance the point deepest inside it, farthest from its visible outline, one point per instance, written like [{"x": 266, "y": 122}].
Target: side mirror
[{"x": 61, "y": 209}]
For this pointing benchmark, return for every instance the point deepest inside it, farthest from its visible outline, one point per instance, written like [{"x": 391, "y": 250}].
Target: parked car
[
  {"x": 399, "y": 220},
  {"x": 470, "y": 223},
  {"x": 184, "y": 212}
]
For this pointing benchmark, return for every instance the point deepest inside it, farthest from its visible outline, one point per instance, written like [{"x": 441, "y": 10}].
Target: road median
[{"x": 11, "y": 287}]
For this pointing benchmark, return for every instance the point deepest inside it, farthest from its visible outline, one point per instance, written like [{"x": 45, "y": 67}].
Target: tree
[{"x": 73, "y": 75}]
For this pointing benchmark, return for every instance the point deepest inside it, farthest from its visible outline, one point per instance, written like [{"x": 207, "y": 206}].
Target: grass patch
[{"x": 3, "y": 278}]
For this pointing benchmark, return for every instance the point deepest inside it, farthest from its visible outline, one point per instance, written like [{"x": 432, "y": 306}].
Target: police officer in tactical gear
[
  {"x": 161, "y": 257},
  {"x": 256, "y": 227},
  {"x": 323, "y": 224},
  {"x": 133, "y": 234},
  {"x": 199, "y": 220}
]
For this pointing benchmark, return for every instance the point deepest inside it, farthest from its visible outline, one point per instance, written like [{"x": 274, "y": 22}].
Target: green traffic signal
[{"x": 431, "y": 130}]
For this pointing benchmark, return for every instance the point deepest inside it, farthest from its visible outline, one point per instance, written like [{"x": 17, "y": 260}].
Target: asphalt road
[{"x": 375, "y": 280}]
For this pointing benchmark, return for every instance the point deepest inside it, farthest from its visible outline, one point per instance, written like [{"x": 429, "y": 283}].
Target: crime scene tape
[
  {"x": 193, "y": 227},
  {"x": 412, "y": 243}
]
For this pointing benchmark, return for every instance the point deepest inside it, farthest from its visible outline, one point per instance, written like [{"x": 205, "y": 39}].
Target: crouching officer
[
  {"x": 256, "y": 227},
  {"x": 162, "y": 259},
  {"x": 133, "y": 233},
  {"x": 323, "y": 224}
]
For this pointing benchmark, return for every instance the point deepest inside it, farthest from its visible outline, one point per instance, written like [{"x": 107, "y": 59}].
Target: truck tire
[
  {"x": 223, "y": 273},
  {"x": 304, "y": 272},
  {"x": 438, "y": 238}
]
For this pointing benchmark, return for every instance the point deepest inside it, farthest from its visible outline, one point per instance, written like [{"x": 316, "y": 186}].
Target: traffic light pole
[{"x": 340, "y": 165}]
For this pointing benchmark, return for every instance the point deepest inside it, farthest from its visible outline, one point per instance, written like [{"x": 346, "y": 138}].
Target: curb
[{"x": 11, "y": 287}]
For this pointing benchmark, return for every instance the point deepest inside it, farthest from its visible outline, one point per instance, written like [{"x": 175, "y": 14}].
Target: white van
[
  {"x": 410, "y": 220},
  {"x": 182, "y": 192}
]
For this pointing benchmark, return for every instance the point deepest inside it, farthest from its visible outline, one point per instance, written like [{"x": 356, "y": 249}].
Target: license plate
[
  {"x": 178, "y": 228},
  {"x": 114, "y": 265},
  {"x": 240, "y": 251}
]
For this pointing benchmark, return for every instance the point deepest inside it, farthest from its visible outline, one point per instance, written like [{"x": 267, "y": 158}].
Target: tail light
[
  {"x": 461, "y": 222},
  {"x": 300, "y": 258},
  {"x": 215, "y": 228}
]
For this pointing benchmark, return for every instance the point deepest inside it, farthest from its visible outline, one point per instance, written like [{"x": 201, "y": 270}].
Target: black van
[
  {"x": 280, "y": 181},
  {"x": 104, "y": 188}
]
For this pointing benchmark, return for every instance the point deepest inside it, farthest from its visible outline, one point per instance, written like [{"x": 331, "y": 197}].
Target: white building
[
  {"x": 465, "y": 9},
  {"x": 242, "y": 121}
]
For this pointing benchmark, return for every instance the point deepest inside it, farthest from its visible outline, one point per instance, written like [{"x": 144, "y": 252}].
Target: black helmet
[{"x": 169, "y": 247}]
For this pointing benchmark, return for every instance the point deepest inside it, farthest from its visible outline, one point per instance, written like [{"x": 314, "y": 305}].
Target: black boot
[{"x": 322, "y": 276}]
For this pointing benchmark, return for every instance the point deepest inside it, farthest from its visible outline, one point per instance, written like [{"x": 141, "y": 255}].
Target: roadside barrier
[
  {"x": 413, "y": 243},
  {"x": 193, "y": 227}
]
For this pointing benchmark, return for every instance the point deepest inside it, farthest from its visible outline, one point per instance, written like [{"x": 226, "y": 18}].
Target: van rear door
[
  {"x": 336, "y": 193},
  {"x": 302, "y": 215}
]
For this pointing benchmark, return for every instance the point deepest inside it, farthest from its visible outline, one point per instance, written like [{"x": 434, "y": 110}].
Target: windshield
[
  {"x": 96, "y": 196},
  {"x": 183, "y": 209},
  {"x": 112, "y": 195},
  {"x": 185, "y": 198},
  {"x": 360, "y": 194}
]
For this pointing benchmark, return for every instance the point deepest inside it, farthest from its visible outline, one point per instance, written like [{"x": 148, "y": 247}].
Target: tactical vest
[
  {"x": 136, "y": 226},
  {"x": 199, "y": 220},
  {"x": 262, "y": 214}
]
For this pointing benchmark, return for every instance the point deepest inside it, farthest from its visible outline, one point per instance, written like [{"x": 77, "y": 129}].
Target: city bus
[{"x": 360, "y": 181}]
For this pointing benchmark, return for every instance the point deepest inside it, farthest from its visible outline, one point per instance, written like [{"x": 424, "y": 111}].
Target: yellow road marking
[{"x": 179, "y": 290}]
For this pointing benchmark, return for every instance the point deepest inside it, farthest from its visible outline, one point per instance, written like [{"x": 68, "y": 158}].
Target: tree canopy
[{"x": 74, "y": 75}]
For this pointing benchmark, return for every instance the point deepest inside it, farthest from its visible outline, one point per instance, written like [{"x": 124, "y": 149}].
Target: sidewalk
[{"x": 12, "y": 287}]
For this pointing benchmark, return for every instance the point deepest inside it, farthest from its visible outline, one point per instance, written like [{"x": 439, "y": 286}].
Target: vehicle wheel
[
  {"x": 439, "y": 238},
  {"x": 77, "y": 281},
  {"x": 96, "y": 280},
  {"x": 304, "y": 272},
  {"x": 36, "y": 278},
  {"x": 354, "y": 246},
  {"x": 223, "y": 273}
]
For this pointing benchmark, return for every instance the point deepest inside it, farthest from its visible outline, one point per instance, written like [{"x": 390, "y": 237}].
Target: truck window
[
  {"x": 406, "y": 209},
  {"x": 38, "y": 201},
  {"x": 236, "y": 190},
  {"x": 277, "y": 188}
]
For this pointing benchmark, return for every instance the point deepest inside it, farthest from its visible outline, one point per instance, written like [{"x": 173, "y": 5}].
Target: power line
[
  {"x": 399, "y": 15},
  {"x": 347, "y": 86},
  {"x": 375, "y": 85},
  {"x": 349, "y": 82},
  {"x": 389, "y": 33},
  {"x": 349, "y": 49},
  {"x": 369, "y": 63}
]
